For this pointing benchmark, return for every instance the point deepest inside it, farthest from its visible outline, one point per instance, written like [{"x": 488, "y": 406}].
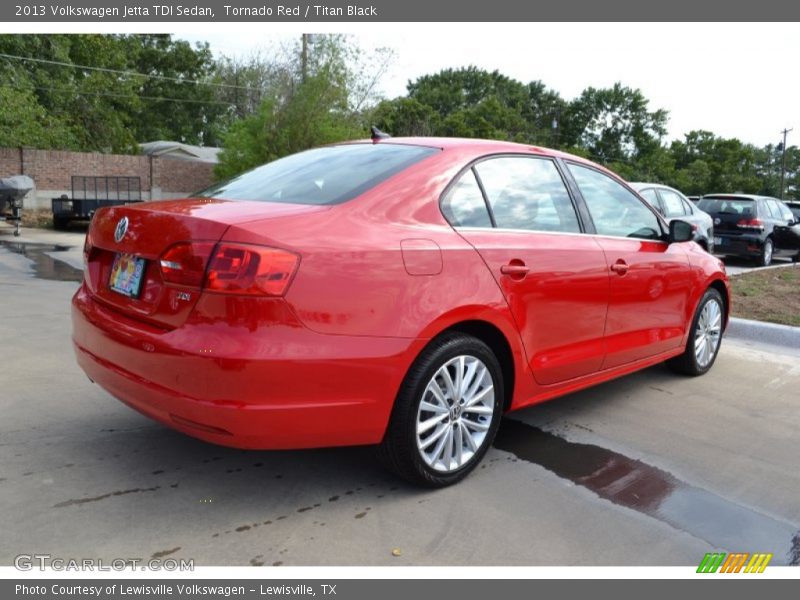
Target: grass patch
[{"x": 771, "y": 295}]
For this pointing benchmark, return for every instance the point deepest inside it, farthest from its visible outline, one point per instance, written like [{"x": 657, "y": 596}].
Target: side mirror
[{"x": 680, "y": 231}]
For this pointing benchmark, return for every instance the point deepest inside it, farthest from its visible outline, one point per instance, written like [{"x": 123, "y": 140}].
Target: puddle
[
  {"x": 654, "y": 492},
  {"x": 44, "y": 265}
]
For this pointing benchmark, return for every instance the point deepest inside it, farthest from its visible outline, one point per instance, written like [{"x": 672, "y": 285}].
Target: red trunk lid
[{"x": 152, "y": 227}]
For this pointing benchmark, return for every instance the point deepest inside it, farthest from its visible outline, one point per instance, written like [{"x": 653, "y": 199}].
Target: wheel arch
[
  {"x": 497, "y": 340},
  {"x": 723, "y": 290}
]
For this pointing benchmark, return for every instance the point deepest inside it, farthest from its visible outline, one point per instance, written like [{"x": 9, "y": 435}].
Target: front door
[{"x": 650, "y": 279}]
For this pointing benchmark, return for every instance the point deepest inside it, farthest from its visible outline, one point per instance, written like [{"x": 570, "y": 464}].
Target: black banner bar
[{"x": 335, "y": 11}]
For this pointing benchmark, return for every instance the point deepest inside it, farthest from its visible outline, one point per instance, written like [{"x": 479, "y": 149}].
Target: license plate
[
  {"x": 717, "y": 241},
  {"x": 127, "y": 272}
]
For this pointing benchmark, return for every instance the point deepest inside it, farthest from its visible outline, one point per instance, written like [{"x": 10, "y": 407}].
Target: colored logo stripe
[
  {"x": 711, "y": 562},
  {"x": 733, "y": 563},
  {"x": 758, "y": 563}
]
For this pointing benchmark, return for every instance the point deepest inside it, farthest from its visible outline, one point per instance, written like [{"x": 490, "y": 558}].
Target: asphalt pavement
[{"x": 650, "y": 469}]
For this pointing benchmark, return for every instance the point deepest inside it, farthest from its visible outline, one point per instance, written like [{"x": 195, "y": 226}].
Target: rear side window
[
  {"x": 652, "y": 198},
  {"x": 464, "y": 206},
  {"x": 772, "y": 209},
  {"x": 330, "y": 175},
  {"x": 673, "y": 204},
  {"x": 615, "y": 210},
  {"x": 779, "y": 210},
  {"x": 527, "y": 193}
]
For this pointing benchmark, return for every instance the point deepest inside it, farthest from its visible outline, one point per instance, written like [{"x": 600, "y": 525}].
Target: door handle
[
  {"x": 516, "y": 269},
  {"x": 620, "y": 267}
]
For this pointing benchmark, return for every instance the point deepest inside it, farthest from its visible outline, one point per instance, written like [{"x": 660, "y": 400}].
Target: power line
[
  {"x": 132, "y": 73},
  {"x": 112, "y": 95}
]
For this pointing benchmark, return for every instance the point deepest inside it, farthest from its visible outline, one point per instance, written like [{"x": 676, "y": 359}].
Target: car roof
[
  {"x": 739, "y": 197},
  {"x": 640, "y": 185},
  {"x": 477, "y": 145},
  {"x": 643, "y": 185}
]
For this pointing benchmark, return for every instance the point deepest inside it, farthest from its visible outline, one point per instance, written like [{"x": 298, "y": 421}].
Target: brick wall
[{"x": 52, "y": 170}]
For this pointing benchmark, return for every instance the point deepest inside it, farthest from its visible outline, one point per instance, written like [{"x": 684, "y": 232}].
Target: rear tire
[
  {"x": 705, "y": 337},
  {"x": 767, "y": 250},
  {"x": 60, "y": 223},
  {"x": 446, "y": 413}
]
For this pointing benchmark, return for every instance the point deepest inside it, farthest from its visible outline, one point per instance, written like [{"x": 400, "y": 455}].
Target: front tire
[
  {"x": 705, "y": 338},
  {"x": 446, "y": 414}
]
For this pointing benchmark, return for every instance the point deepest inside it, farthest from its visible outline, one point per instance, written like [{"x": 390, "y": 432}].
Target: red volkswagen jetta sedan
[{"x": 398, "y": 292}]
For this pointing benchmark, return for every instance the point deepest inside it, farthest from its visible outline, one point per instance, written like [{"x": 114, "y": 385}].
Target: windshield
[{"x": 329, "y": 175}]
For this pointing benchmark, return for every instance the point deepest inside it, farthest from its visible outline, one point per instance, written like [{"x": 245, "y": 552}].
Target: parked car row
[{"x": 744, "y": 225}]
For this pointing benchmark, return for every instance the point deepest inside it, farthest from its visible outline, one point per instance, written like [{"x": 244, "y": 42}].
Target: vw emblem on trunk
[
  {"x": 121, "y": 230},
  {"x": 717, "y": 221}
]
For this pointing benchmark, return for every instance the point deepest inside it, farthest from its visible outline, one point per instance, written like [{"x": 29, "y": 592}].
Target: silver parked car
[{"x": 674, "y": 205}]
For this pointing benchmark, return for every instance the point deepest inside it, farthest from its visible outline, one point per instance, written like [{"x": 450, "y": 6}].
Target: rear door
[
  {"x": 650, "y": 279},
  {"x": 517, "y": 213}
]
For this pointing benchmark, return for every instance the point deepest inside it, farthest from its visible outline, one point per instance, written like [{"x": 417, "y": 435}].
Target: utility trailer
[{"x": 90, "y": 192}]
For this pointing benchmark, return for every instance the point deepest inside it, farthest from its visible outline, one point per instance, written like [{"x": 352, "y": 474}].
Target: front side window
[
  {"x": 615, "y": 210},
  {"x": 527, "y": 193}
]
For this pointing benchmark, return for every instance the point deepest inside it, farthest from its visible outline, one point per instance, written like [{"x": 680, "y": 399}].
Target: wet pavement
[
  {"x": 45, "y": 263},
  {"x": 651, "y": 469},
  {"x": 652, "y": 491}
]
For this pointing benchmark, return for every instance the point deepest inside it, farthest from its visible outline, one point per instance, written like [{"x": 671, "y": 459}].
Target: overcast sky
[{"x": 737, "y": 80}]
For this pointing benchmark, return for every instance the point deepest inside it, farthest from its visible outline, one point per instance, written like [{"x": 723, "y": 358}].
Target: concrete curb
[{"x": 765, "y": 333}]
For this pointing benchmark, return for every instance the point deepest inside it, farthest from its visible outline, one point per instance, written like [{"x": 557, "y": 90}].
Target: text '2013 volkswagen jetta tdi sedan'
[{"x": 399, "y": 292}]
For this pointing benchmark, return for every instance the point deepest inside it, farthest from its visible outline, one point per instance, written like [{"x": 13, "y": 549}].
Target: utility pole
[
  {"x": 304, "y": 58},
  {"x": 783, "y": 159}
]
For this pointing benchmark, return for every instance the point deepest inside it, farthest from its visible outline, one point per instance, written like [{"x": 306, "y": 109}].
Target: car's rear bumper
[
  {"x": 748, "y": 246},
  {"x": 274, "y": 387}
]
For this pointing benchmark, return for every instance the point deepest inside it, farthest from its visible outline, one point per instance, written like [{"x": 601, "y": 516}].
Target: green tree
[
  {"x": 706, "y": 163},
  {"x": 110, "y": 91},
  {"x": 177, "y": 102},
  {"x": 614, "y": 124},
  {"x": 23, "y": 122},
  {"x": 470, "y": 102},
  {"x": 322, "y": 102}
]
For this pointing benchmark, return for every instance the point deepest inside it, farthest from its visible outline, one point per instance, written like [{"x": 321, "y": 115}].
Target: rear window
[
  {"x": 729, "y": 206},
  {"x": 330, "y": 175}
]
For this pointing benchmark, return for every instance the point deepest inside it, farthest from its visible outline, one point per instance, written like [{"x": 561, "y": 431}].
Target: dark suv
[{"x": 757, "y": 227}]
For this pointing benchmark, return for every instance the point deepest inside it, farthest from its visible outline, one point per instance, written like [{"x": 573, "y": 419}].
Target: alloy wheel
[
  {"x": 455, "y": 413},
  {"x": 708, "y": 333}
]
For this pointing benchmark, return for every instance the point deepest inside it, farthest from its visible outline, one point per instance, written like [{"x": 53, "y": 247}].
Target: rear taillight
[
  {"x": 250, "y": 270},
  {"x": 750, "y": 224},
  {"x": 87, "y": 250},
  {"x": 184, "y": 263}
]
